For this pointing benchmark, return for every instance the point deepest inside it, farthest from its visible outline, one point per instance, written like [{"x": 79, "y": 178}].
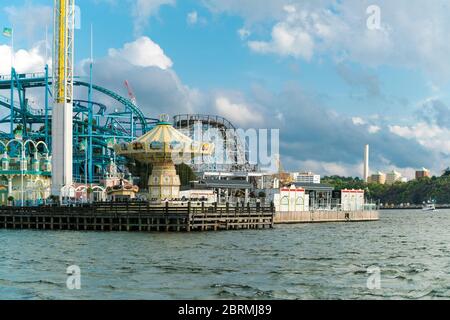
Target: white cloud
[
  {"x": 29, "y": 21},
  {"x": 289, "y": 8},
  {"x": 244, "y": 33},
  {"x": 192, "y": 17},
  {"x": 143, "y": 9},
  {"x": 143, "y": 53},
  {"x": 157, "y": 90},
  {"x": 358, "y": 121},
  {"x": 412, "y": 34},
  {"x": 402, "y": 131},
  {"x": 300, "y": 32},
  {"x": 431, "y": 136},
  {"x": 110, "y": 2},
  {"x": 24, "y": 60},
  {"x": 374, "y": 129},
  {"x": 252, "y": 10},
  {"x": 157, "y": 86},
  {"x": 288, "y": 39},
  {"x": 324, "y": 168},
  {"x": 237, "y": 113}
]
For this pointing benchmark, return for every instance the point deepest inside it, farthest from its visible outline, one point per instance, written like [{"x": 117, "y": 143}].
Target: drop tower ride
[{"x": 62, "y": 123}]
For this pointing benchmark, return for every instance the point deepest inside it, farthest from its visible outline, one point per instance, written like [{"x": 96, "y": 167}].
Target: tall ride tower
[{"x": 62, "y": 131}]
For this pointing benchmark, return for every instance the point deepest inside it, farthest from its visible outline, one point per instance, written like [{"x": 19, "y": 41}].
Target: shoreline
[{"x": 414, "y": 208}]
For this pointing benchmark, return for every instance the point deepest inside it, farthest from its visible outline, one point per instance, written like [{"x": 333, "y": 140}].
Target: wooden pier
[
  {"x": 138, "y": 216},
  {"x": 325, "y": 216}
]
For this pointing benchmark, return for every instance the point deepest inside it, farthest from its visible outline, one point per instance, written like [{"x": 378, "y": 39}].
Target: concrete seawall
[{"x": 325, "y": 216}]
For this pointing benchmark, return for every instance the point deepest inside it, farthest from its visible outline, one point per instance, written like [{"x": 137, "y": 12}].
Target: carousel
[{"x": 164, "y": 147}]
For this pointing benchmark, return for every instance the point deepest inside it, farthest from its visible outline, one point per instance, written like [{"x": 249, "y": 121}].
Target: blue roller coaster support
[
  {"x": 96, "y": 126},
  {"x": 47, "y": 92},
  {"x": 90, "y": 149},
  {"x": 13, "y": 72}
]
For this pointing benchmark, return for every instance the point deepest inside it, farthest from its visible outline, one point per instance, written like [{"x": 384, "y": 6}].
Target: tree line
[{"x": 413, "y": 192}]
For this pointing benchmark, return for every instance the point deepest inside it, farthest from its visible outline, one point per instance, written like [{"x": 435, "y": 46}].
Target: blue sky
[{"x": 311, "y": 68}]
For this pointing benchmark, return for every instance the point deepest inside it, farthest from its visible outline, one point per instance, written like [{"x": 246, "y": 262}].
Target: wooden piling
[{"x": 139, "y": 217}]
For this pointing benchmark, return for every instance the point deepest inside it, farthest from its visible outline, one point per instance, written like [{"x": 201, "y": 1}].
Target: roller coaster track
[
  {"x": 5, "y": 102},
  {"x": 36, "y": 80},
  {"x": 228, "y": 131},
  {"x": 205, "y": 118}
]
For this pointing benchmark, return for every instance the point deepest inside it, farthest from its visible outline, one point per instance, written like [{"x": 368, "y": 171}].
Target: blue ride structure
[{"x": 97, "y": 126}]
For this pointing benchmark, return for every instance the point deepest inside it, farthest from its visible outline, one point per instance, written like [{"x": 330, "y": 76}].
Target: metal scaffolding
[
  {"x": 231, "y": 153},
  {"x": 96, "y": 126}
]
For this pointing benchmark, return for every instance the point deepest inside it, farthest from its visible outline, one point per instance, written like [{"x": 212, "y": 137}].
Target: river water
[{"x": 407, "y": 251}]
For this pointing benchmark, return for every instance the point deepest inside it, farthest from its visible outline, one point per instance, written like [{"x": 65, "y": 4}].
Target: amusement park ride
[
  {"x": 77, "y": 134},
  {"x": 70, "y": 140}
]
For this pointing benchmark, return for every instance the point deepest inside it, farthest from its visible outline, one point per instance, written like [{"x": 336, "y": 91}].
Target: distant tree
[
  {"x": 140, "y": 170},
  {"x": 446, "y": 172},
  {"x": 186, "y": 174},
  {"x": 413, "y": 192}
]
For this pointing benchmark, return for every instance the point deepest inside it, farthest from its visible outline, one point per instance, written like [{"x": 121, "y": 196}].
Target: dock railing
[
  {"x": 139, "y": 216},
  {"x": 127, "y": 208},
  {"x": 335, "y": 205}
]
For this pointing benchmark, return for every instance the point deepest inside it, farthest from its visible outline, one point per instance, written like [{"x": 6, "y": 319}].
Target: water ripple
[{"x": 326, "y": 261}]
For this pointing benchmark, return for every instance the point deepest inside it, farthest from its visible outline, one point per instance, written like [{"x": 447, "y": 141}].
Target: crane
[
  {"x": 130, "y": 93},
  {"x": 284, "y": 177}
]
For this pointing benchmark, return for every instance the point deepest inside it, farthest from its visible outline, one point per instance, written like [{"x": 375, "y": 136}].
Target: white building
[
  {"x": 352, "y": 200},
  {"x": 291, "y": 200},
  {"x": 306, "y": 177},
  {"x": 393, "y": 177}
]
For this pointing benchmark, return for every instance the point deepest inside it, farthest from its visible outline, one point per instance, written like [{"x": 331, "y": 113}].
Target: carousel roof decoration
[{"x": 163, "y": 143}]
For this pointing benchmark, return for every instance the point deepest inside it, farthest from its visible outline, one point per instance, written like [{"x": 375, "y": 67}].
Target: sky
[{"x": 332, "y": 75}]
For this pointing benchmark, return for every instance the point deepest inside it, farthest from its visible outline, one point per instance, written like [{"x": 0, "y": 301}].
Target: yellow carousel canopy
[{"x": 163, "y": 143}]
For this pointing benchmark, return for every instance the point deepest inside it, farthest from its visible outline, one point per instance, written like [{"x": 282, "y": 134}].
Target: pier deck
[
  {"x": 137, "y": 217},
  {"x": 325, "y": 216}
]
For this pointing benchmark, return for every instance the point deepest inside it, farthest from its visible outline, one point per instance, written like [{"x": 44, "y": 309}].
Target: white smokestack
[{"x": 366, "y": 163}]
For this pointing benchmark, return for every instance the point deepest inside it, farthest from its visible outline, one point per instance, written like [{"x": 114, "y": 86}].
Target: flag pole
[
  {"x": 11, "y": 124},
  {"x": 12, "y": 49},
  {"x": 46, "y": 44}
]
